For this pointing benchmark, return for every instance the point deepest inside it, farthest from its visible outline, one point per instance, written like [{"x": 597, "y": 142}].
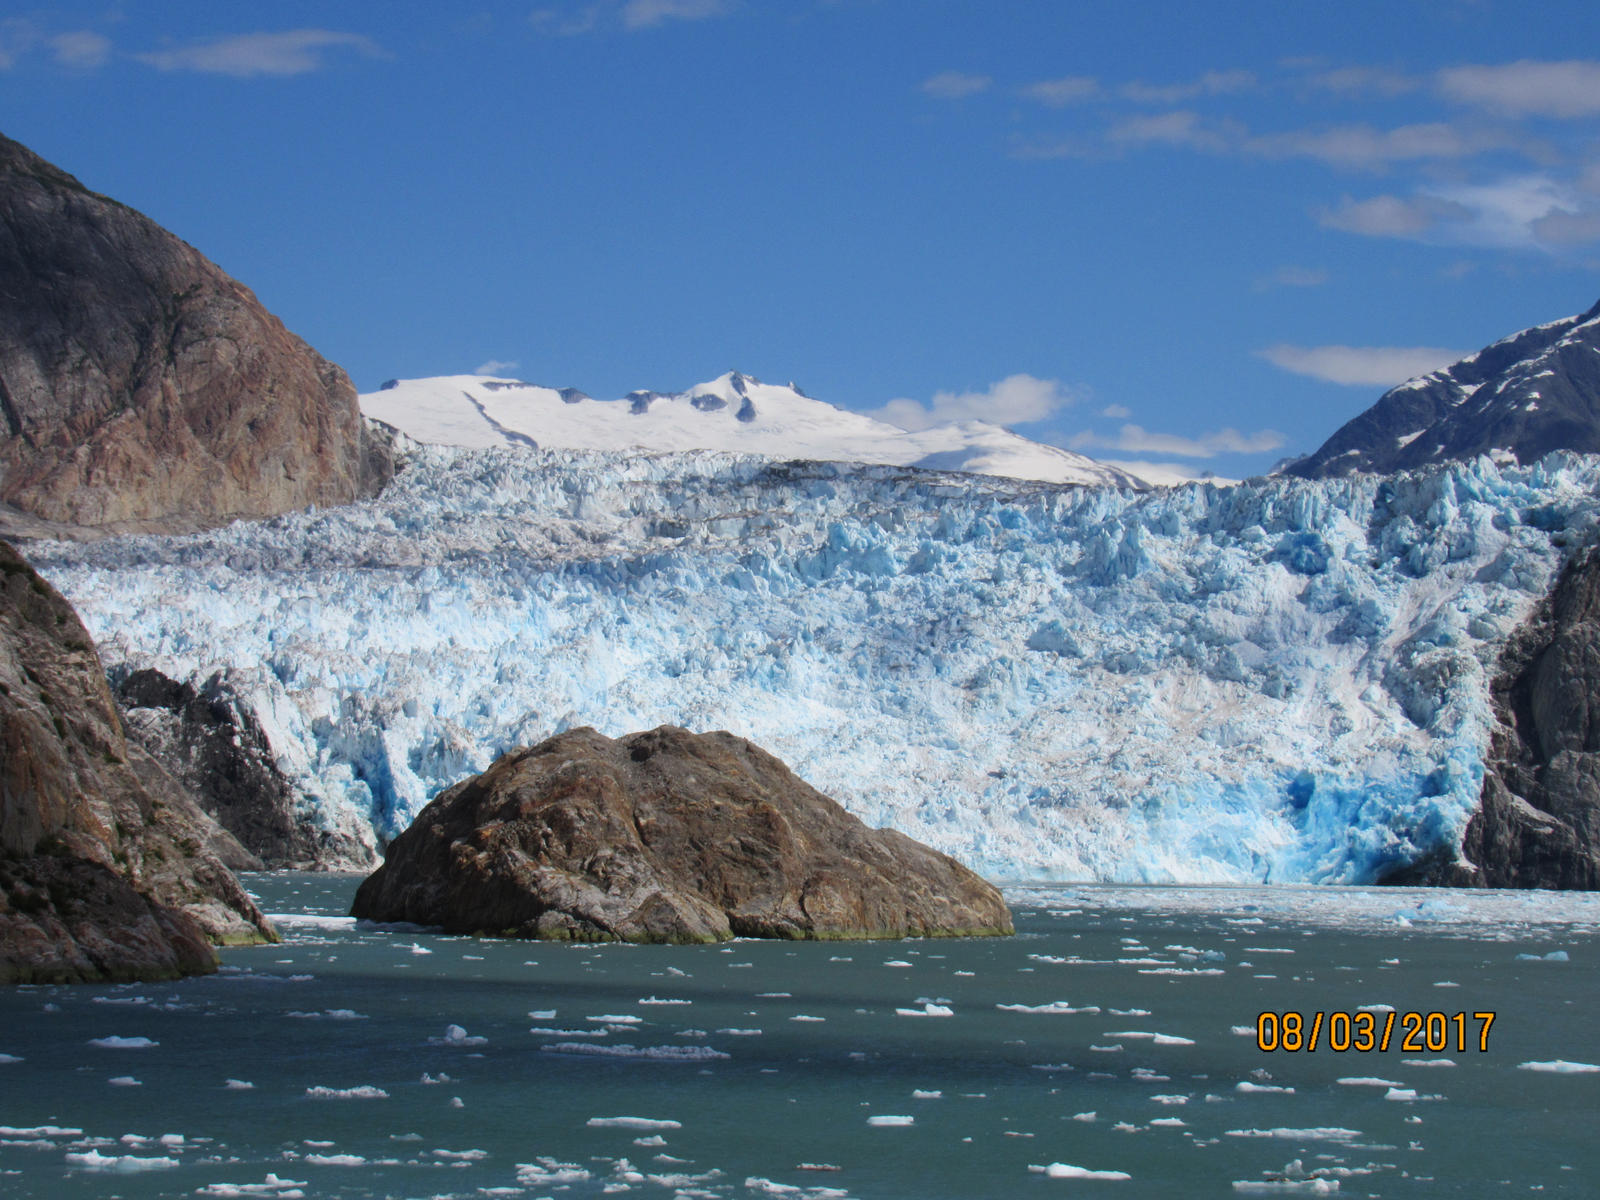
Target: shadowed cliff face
[
  {"x": 141, "y": 387},
  {"x": 665, "y": 836},
  {"x": 108, "y": 869}
]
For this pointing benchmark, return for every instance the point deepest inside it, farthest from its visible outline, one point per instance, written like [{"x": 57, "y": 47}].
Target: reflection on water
[{"x": 1109, "y": 1049}]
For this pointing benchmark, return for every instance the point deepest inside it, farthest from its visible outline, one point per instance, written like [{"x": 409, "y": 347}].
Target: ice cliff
[{"x": 1285, "y": 680}]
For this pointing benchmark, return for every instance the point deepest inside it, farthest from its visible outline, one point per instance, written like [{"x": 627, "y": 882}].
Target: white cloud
[
  {"x": 1364, "y": 81},
  {"x": 1014, "y": 400},
  {"x": 83, "y": 49},
  {"x": 1527, "y": 88},
  {"x": 1178, "y": 128},
  {"x": 1390, "y": 216},
  {"x": 17, "y": 37},
  {"x": 1362, "y": 146},
  {"x": 1058, "y": 93},
  {"x": 1370, "y": 366},
  {"x": 294, "y": 52},
  {"x": 585, "y": 19},
  {"x": 1292, "y": 276},
  {"x": 647, "y": 14},
  {"x": 955, "y": 85},
  {"x": 1562, "y": 228},
  {"x": 1117, "y": 412},
  {"x": 1212, "y": 83},
  {"x": 1137, "y": 440},
  {"x": 495, "y": 366}
]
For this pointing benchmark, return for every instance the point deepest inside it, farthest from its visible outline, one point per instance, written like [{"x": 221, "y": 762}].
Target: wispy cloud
[
  {"x": 1014, "y": 400},
  {"x": 569, "y": 22},
  {"x": 17, "y": 37},
  {"x": 1135, "y": 439},
  {"x": 1117, "y": 412},
  {"x": 243, "y": 56},
  {"x": 955, "y": 85},
  {"x": 1182, "y": 127},
  {"x": 495, "y": 366},
  {"x": 1368, "y": 366},
  {"x": 1513, "y": 212},
  {"x": 1365, "y": 148},
  {"x": 1364, "y": 81},
  {"x": 82, "y": 49},
  {"x": 1058, "y": 93},
  {"x": 1527, "y": 88},
  {"x": 1212, "y": 83},
  {"x": 1290, "y": 276},
  {"x": 1389, "y": 216},
  {"x": 647, "y": 14}
]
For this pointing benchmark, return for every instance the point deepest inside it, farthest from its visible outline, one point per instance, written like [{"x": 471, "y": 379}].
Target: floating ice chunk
[
  {"x": 418, "y": 948},
  {"x": 460, "y": 1155},
  {"x": 542, "y": 1014},
  {"x": 1286, "y": 1187},
  {"x": 122, "y": 1164},
  {"x": 310, "y": 921},
  {"x": 123, "y": 1043},
  {"x": 1319, "y": 1133},
  {"x": 1127, "y": 1012},
  {"x": 1400, "y": 1093},
  {"x": 364, "y": 1092},
  {"x": 655, "y": 1139},
  {"x": 806, "y": 1017},
  {"x": 237, "y": 1085},
  {"x": 1055, "y": 1006},
  {"x": 1244, "y": 1085},
  {"x": 1428, "y": 1062},
  {"x": 1159, "y": 1039},
  {"x": 336, "y": 1160},
  {"x": 663, "y": 1053},
  {"x": 614, "y": 1019},
  {"x": 1114, "y": 1049},
  {"x": 455, "y": 1035},
  {"x": 919, "y": 1094},
  {"x": 927, "y": 1010},
  {"x": 1086, "y": 1117},
  {"x": 40, "y": 1131},
  {"x": 1243, "y": 1030},
  {"x": 124, "y": 1081},
  {"x": 283, "y": 1189},
  {"x": 1169, "y": 1122},
  {"x": 659, "y": 1000},
  {"x": 1367, "y": 1081},
  {"x": 774, "y": 995},
  {"x": 1553, "y": 956},
  {"x": 632, "y": 1123},
  {"x": 896, "y": 962},
  {"x": 331, "y": 1014},
  {"x": 10, "y": 1058},
  {"x": 1170, "y": 1099},
  {"x": 548, "y": 1171},
  {"x": 886, "y": 1120},
  {"x": 1560, "y": 1066}
]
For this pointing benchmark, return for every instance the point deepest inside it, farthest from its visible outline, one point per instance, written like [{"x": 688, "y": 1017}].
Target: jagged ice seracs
[{"x": 1278, "y": 681}]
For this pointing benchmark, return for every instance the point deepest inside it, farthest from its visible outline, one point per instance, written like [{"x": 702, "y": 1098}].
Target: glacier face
[{"x": 1279, "y": 681}]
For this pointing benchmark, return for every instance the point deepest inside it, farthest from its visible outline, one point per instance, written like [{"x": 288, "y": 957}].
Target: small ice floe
[
  {"x": 887, "y": 1120},
  {"x": 237, "y": 1085},
  {"x": 553, "y": 1031},
  {"x": 1060, "y": 1007},
  {"x": 1244, "y": 1085},
  {"x": 1242, "y": 1030},
  {"x": 1367, "y": 1081},
  {"x": 841, "y": 958},
  {"x": 1560, "y": 1066},
  {"x": 660, "y": 1053},
  {"x": 457, "y": 1102},
  {"x": 806, "y": 1017},
  {"x": 928, "y": 1009},
  {"x": 1400, "y": 1093},
  {"x": 1375, "y": 1008},
  {"x": 417, "y": 948},
  {"x": 1170, "y": 1100},
  {"x": 124, "y": 1081},
  {"x": 1553, "y": 956},
  {"x": 542, "y": 1014},
  {"x": 897, "y": 962},
  {"x": 330, "y": 1014},
  {"x": 616, "y": 1019},
  {"x": 1182, "y": 971},
  {"x": 123, "y": 1043},
  {"x": 774, "y": 995},
  {"x": 1159, "y": 1039},
  {"x": 741, "y": 1032},
  {"x": 364, "y": 1092},
  {"x": 283, "y": 1189},
  {"x": 655, "y": 1139},
  {"x": 919, "y": 1094},
  {"x": 1126, "y": 1012},
  {"x": 548, "y": 1172},
  {"x": 460, "y": 1156},
  {"x": 1168, "y": 1123},
  {"x": 1447, "y": 983},
  {"x": 121, "y": 1164},
  {"x": 37, "y": 1132},
  {"x": 1048, "y": 958},
  {"x": 633, "y": 1123},
  {"x": 1113, "y": 1049},
  {"x": 336, "y": 1160},
  {"x": 455, "y": 1035},
  {"x": 660, "y": 1000},
  {"x": 1427, "y": 1062},
  {"x": 9, "y": 1058},
  {"x": 1318, "y": 1133},
  {"x": 1087, "y": 1117},
  {"x": 441, "y": 1077},
  {"x": 1286, "y": 1187},
  {"x": 310, "y": 921}
]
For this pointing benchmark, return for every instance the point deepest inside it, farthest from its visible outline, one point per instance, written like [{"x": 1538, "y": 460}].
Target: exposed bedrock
[
  {"x": 108, "y": 868},
  {"x": 665, "y": 836},
  {"x": 143, "y": 388}
]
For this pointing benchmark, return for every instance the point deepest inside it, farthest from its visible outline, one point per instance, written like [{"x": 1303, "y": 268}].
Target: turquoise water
[{"x": 906, "y": 1069}]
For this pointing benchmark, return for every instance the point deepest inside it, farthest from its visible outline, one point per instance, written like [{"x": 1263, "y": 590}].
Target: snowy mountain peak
[{"x": 734, "y": 413}]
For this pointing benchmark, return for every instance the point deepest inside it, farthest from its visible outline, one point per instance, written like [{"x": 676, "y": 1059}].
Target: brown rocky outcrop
[
  {"x": 141, "y": 388},
  {"x": 108, "y": 869},
  {"x": 665, "y": 836},
  {"x": 1538, "y": 821}
]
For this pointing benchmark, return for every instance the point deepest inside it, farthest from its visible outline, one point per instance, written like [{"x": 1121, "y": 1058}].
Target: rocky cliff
[
  {"x": 141, "y": 387},
  {"x": 1539, "y": 822},
  {"x": 665, "y": 836},
  {"x": 108, "y": 869},
  {"x": 1515, "y": 401}
]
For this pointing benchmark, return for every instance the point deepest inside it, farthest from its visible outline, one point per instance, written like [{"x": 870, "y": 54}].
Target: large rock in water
[
  {"x": 665, "y": 836},
  {"x": 141, "y": 387},
  {"x": 108, "y": 869}
]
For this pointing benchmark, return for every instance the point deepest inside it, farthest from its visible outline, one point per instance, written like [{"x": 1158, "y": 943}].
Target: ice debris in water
[
  {"x": 123, "y": 1043},
  {"x": 1058, "y": 1170},
  {"x": 455, "y": 1035},
  {"x": 1560, "y": 1066},
  {"x": 488, "y": 598}
]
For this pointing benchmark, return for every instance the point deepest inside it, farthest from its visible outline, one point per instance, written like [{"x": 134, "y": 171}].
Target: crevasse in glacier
[{"x": 1279, "y": 681}]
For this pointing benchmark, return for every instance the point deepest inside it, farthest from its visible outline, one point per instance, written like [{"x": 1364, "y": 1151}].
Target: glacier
[{"x": 1280, "y": 681}]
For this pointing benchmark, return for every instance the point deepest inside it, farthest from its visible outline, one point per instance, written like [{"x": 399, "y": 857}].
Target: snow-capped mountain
[
  {"x": 1516, "y": 401},
  {"x": 733, "y": 412},
  {"x": 1285, "y": 680}
]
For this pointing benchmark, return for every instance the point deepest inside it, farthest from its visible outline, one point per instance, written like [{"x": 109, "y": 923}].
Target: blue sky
[{"x": 1203, "y": 235}]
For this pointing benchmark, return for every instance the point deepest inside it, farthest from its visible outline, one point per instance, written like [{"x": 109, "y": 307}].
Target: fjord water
[{"x": 1114, "y": 1037}]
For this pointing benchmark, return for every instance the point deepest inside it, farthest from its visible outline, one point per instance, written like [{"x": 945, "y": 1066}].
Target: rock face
[
  {"x": 141, "y": 387},
  {"x": 665, "y": 836},
  {"x": 1519, "y": 399},
  {"x": 210, "y": 739},
  {"x": 108, "y": 869}
]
